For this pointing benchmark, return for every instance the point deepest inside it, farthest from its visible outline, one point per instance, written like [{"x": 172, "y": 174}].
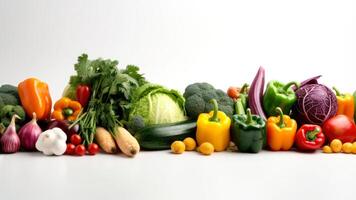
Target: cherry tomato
[
  {"x": 80, "y": 150},
  {"x": 70, "y": 149},
  {"x": 93, "y": 149},
  {"x": 75, "y": 139}
]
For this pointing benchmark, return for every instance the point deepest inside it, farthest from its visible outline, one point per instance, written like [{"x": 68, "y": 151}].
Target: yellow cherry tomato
[
  {"x": 353, "y": 148},
  {"x": 327, "y": 149},
  {"x": 190, "y": 144},
  {"x": 178, "y": 147},
  {"x": 336, "y": 145},
  {"x": 206, "y": 148},
  {"x": 347, "y": 147}
]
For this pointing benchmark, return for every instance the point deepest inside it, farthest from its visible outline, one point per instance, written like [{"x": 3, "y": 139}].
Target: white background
[{"x": 177, "y": 43}]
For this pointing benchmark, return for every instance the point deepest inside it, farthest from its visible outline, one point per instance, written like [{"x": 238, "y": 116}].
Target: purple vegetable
[
  {"x": 255, "y": 93},
  {"x": 29, "y": 134},
  {"x": 315, "y": 104},
  {"x": 65, "y": 126},
  {"x": 313, "y": 80},
  {"x": 10, "y": 141}
]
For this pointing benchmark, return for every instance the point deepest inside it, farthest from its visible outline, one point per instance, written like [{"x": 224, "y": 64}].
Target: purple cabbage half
[{"x": 316, "y": 103}]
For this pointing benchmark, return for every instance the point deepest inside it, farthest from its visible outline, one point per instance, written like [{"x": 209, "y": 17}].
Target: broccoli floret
[
  {"x": 194, "y": 105},
  {"x": 9, "y": 89},
  {"x": 8, "y": 99},
  {"x": 9, "y": 95},
  {"x": 8, "y": 111},
  {"x": 198, "y": 96}
]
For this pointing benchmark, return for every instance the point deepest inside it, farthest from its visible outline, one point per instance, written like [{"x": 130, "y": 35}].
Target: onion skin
[
  {"x": 10, "y": 141},
  {"x": 29, "y": 134}
]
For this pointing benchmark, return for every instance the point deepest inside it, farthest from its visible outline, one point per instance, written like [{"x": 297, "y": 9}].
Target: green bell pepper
[
  {"x": 279, "y": 95},
  {"x": 248, "y": 132}
]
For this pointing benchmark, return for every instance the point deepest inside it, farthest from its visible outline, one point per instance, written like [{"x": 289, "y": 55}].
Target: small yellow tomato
[
  {"x": 206, "y": 148},
  {"x": 327, "y": 149},
  {"x": 178, "y": 147},
  {"x": 190, "y": 144},
  {"x": 347, "y": 147},
  {"x": 353, "y": 148},
  {"x": 336, "y": 145}
]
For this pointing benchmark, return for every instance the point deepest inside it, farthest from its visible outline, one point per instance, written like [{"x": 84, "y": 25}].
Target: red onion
[
  {"x": 10, "y": 141},
  {"x": 29, "y": 134}
]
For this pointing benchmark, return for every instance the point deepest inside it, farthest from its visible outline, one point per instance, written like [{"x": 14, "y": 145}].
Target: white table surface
[{"x": 162, "y": 175}]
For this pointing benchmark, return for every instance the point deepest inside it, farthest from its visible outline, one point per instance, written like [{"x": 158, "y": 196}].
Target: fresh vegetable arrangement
[{"x": 117, "y": 111}]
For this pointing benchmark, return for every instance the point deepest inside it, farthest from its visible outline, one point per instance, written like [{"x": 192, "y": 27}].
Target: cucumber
[{"x": 160, "y": 137}]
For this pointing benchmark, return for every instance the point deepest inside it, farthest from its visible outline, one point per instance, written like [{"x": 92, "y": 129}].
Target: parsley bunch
[{"x": 111, "y": 91}]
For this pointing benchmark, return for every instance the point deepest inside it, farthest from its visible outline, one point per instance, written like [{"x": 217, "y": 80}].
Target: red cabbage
[{"x": 316, "y": 103}]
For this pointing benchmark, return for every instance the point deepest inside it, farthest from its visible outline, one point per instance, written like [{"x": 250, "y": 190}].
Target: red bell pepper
[
  {"x": 340, "y": 127},
  {"x": 83, "y": 94},
  {"x": 309, "y": 137}
]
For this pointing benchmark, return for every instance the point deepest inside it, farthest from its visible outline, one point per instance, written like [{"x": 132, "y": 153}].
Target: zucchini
[{"x": 160, "y": 137}]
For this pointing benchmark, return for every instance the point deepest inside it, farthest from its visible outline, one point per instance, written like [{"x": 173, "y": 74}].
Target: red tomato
[
  {"x": 75, "y": 139},
  {"x": 70, "y": 149},
  {"x": 80, "y": 150},
  {"x": 93, "y": 149},
  {"x": 233, "y": 92},
  {"x": 340, "y": 127}
]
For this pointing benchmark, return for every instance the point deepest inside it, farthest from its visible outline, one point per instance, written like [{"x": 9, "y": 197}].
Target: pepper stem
[
  {"x": 311, "y": 135},
  {"x": 249, "y": 116},
  {"x": 239, "y": 108},
  {"x": 288, "y": 85},
  {"x": 68, "y": 112},
  {"x": 244, "y": 88},
  {"x": 214, "y": 118},
  {"x": 281, "y": 123},
  {"x": 338, "y": 93}
]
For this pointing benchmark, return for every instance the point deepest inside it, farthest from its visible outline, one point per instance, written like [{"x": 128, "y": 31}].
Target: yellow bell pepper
[
  {"x": 66, "y": 109},
  {"x": 345, "y": 104},
  {"x": 214, "y": 127},
  {"x": 281, "y": 132}
]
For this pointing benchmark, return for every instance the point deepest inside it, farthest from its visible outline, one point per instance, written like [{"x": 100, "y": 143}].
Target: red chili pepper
[
  {"x": 83, "y": 94},
  {"x": 309, "y": 137}
]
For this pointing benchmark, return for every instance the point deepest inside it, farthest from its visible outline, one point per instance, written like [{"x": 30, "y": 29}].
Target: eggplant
[{"x": 255, "y": 94}]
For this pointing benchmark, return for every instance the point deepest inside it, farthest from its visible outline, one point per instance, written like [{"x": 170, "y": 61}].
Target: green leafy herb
[{"x": 111, "y": 93}]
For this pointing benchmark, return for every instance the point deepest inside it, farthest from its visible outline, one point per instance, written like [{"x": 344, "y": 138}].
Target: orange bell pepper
[
  {"x": 281, "y": 131},
  {"x": 345, "y": 104},
  {"x": 66, "y": 109},
  {"x": 35, "y": 98}
]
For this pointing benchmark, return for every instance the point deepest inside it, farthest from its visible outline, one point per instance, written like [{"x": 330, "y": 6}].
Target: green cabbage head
[{"x": 157, "y": 105}]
